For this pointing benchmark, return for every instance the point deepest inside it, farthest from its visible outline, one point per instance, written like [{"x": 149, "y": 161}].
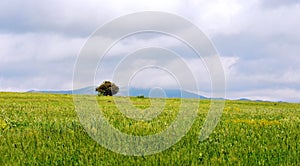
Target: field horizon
[{"x": 133, "y": 92}]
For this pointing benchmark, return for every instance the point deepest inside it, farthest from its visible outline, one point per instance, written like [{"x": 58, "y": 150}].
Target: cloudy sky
[{"x": 258, "y": 42}]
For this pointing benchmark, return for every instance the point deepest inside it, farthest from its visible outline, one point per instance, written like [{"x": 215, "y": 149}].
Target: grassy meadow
[{"x": 43, "y": 129}]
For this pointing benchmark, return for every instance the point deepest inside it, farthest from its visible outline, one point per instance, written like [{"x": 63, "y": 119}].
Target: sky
[{"x": 258, "y": 42}]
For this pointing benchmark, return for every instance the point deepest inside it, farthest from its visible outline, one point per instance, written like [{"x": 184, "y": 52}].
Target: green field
[{"x": 43, "y": 129}]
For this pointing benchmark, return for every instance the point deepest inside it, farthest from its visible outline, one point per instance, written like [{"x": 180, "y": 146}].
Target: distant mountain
[
  {"x": 86, "y": 90},
  {"x": 156, "y": 93},
  {"x": 244, "y": 99}
]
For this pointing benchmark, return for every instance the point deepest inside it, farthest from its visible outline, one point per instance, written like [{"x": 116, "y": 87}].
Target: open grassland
[{"x": 43, "y": 129}]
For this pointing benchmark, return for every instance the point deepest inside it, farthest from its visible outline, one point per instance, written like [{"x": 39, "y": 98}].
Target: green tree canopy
[{"x": 107, "y": 88}]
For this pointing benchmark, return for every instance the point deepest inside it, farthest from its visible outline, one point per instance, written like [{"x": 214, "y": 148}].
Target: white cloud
[
  {"x": 135, "y": 42},
  {"x": 290, "y": 76},
  {"x": 218, "y": 17},
  {"x": 281, "y": 21},
  {"x": 228, "y": 65}
]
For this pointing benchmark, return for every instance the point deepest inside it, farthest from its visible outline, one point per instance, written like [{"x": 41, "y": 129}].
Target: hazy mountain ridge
[
  {"x": 168, "y": 93},
  {"x": 165, "y": 93},
  {"x": 86, "y": 90}
]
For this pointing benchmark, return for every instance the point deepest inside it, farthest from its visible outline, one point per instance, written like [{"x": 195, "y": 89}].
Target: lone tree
[{"x": 107, "y": 88}]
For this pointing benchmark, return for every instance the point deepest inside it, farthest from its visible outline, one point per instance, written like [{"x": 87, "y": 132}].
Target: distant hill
[
  {"x": 244, "y": 99},
  {"x": 168, "y": 93},
  {"x": 86, "y": 90}
]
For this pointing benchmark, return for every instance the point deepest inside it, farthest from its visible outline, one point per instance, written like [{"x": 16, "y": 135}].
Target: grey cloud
[
  {"x": 29, "y": 60},
  {"x": 64, "y": 17},
  {"x": 22, "y": 75},
  {"x": 279, "y": 3}
]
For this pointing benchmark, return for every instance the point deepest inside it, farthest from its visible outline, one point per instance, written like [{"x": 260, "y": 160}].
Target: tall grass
[{"x": 43, "y": 129}]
